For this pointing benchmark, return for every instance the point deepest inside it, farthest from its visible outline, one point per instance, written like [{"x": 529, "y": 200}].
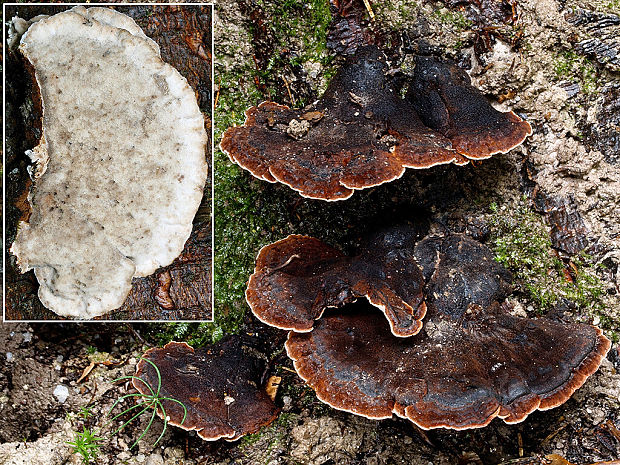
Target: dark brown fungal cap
[
  {"x": 361, "y": 133},
  {"x": 444, "y": 98},
  {"x": 221, "y": 387},
  {"x": 492, "y": 364},
  {"x": 459, "y": 272},
  {"x": 297, "y": 278},
  {"x": 469, "y": 364}
]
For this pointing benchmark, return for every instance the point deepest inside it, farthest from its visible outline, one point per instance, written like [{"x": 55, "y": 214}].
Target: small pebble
[
  {"x": 61, "y": 393},
  {"x": 9, "y": 357},
  {"x": 155, "y": 459}
]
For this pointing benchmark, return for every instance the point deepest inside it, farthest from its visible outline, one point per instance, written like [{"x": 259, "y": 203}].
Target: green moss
[
  {"x": 284, "y": 420},
  {"x": 272, "y": 435},
  {"x": 610, "y": 325},
  {"x": 233, "y": 207},
  {"x": 195, "y": 334},
  {"x": 570, "y": 65},
  {"x": 398, "y": 14},
  {"x": 454, "y": 19},
  {"x": 311, "y": 17},
  {"x": 589, "y": 77},
  {"x": 614, "y": 6},
  {"x": 246, "y": 218},
  {"x": 564, "y": 63},
  {"x": 298, "y": 29},
  {"x": 587, "y": 289},
  {"x": 522, "y": 244}
]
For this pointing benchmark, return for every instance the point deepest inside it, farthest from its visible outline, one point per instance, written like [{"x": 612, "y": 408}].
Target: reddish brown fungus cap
[
  {"x": 221, "y": 387},
  {"x": 492, "y": 364},
  {"x": 359, "y": 134},
  {"x": 468, "y": 365},
  {"x": 297, "y": 278},
  {"x": 444, "y": 98}
]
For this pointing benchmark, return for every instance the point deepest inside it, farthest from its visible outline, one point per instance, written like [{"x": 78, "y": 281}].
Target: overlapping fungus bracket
[
  {"x": 471, "y": 362},
  {"x": 297, "y": 278},
  {"x": 220, "y": 386},
  {"x": 361, "y": 133},
  {"x": 492, "y": 365}
]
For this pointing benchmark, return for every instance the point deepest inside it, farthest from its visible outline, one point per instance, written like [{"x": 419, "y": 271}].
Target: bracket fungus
[
  {"x": 221, "y": 387},
  {"x": 120, "y": 167},
  {"x": 488, "y": 365},
  {"x": 446, "y": 101},
  {"x": 361, "y": 133},
  {"x": 471, "y": 361},
  {"x": 297, "y": 278}
]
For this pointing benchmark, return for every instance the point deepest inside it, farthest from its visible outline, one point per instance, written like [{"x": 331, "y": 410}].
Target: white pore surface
[
  {"x": 114, "y": 18},
  {"x": 122, "y": 160}
]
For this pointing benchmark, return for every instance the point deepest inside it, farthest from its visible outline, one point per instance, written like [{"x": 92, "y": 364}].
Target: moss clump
[
  {"x": 243, "y": 220},
  {"x": 455, "y": 19},
  {"x": 233, "y": 202},
  {"x": 522, "y": 243},
  {"x": 195, "y": 334},
  {"x": 586, "y": 290},
  {"x": 310, "y": 19},
  {"x": 283, "y": 421},
  {"x": 297, "y": 35},
  {"x": 397, "y": 15},
  {"x": 246, "y": 217},
  {"x": 272, "y": 436},
  {"x": 569, "y": 64}
]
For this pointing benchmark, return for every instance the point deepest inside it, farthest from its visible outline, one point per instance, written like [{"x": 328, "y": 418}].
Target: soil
[
  {"x": 38, "y": 358},
  {"x": 526, "y": 56}
]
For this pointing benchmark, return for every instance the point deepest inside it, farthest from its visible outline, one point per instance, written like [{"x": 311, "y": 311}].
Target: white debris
[{"x": 61, "y": 392}]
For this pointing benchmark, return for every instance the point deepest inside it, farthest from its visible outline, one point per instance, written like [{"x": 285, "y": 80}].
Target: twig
[
  {"x": 138, "y": 336},
  {"x": 217, "y": 96},
  {"x": 369, "y": 8},
  {"x": 288, "y": 89}
]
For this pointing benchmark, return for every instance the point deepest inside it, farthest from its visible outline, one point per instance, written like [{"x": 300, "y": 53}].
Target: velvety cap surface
[
  {"x": 361, "y": 133},
  {"x": 297, "y": 278},
  {"x": 220, "y": 386}
]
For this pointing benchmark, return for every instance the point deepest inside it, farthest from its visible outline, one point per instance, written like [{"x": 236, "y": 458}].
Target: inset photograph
[{"x": 107, "y": 168}]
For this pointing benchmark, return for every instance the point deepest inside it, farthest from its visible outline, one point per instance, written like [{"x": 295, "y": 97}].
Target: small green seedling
[
  {"x": 86, "y": 444},
  {"x": 148, "y": 401},
  {"x": 85, "y": 412}
]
